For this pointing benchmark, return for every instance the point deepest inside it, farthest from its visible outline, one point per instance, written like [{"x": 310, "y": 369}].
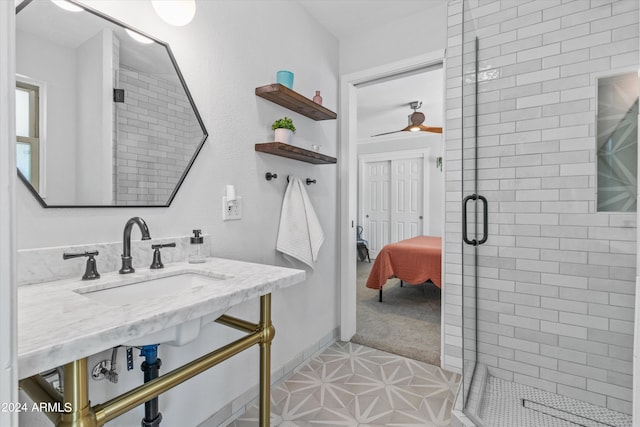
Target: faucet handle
[
  {"x": 67, "y": 255},
  {"x": 91, "y": 270},
  {"x": 164, "y": 245},
  {"x": 157, "y": 260}
]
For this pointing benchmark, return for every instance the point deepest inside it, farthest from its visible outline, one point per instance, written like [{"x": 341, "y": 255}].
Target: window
[
  {"x": 28, "y": 132},
  {"x": 617, "y": 142}
]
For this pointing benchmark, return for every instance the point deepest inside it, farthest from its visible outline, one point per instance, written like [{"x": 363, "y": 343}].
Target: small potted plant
[{"x": 284, "y": 130}]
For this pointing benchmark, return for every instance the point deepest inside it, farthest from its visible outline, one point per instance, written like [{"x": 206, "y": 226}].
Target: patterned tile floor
[{"x": 353, "y": 385}]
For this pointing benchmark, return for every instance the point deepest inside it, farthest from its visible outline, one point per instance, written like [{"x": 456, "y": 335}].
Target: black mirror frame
[{"x": 187, "y": 92}]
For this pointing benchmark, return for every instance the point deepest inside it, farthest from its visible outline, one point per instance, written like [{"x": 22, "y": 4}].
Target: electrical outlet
[{"x": 231, "y": 210}]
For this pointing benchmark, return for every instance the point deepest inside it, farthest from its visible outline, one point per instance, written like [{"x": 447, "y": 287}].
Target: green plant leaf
[{"x": 283, "y": 123}]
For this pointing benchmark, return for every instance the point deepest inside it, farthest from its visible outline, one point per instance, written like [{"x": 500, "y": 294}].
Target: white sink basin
[
  {"x": 137, "y": 292},
  {"x": 163, "y": 287}
]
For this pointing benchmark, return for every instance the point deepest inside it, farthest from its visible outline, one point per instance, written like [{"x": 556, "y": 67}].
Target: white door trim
[
  {"x": 424, "y": 154},
  {"x": 347, "y": 179},
  {"x": 8, "y": 292}
]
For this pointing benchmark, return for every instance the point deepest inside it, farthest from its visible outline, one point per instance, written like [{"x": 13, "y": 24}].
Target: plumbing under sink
[{"x": 171, "y": 286}]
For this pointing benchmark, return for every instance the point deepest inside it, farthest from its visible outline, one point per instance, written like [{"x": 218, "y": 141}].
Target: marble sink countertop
[{"x": 57, "y": 325}]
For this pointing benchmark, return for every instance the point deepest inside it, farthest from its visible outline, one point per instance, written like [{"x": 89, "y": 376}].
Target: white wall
[
  {"x": 229, "y": 49},
  {"x": 94, "y": 156},
  {"x": 8, "y": 340},
  {"x": 411, "y": 36},
  {"x": 54, "y": 65},
  {"x": 434, "y": 178}
]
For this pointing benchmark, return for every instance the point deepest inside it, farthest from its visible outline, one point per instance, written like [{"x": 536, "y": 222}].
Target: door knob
[{"x": 366, "y": 216}]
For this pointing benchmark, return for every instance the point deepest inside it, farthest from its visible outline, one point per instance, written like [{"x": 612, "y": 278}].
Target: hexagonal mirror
[{"x": 103, "y": 115}]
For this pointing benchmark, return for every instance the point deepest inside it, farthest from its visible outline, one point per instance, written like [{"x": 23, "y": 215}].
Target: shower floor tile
[
  {"x": 350, "y": 384},
  {"x": 502, "y": 406}
]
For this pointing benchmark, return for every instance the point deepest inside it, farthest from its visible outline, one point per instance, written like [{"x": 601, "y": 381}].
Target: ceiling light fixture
[
  {"x": 67, "y": 5},
  {"x": 138, "y": 37},
  {"x": 175, "y": 12}
]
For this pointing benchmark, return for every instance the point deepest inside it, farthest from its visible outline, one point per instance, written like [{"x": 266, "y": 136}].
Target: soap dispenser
[{"x": 197, "y": 252}]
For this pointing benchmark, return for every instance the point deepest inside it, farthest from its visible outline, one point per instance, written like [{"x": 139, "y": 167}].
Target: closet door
[
  {"x": 377, "y": 216},
  {"x": 407, "y": 184}
]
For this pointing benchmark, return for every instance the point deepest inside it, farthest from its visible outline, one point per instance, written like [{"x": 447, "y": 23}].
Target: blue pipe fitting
[{"x": 150, "y": 353}]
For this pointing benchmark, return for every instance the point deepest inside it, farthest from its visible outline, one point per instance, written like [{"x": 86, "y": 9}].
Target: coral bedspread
[{"x": 413, "y": 261}]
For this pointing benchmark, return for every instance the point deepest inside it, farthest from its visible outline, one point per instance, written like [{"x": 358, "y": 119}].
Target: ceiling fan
[{"x": 415, "y": 122}]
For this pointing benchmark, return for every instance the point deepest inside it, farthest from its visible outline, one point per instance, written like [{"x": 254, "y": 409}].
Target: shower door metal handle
[
  {"x": 472, "y": 242},
  {"x": 485, "y": 220}
]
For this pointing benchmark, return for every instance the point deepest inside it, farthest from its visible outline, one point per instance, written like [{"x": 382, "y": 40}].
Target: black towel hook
[
  {"x": 309, "y": 180},
  {"x": 269, "y": 176}
]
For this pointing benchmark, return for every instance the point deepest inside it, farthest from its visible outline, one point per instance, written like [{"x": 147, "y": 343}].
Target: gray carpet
[{"x": 407, "y": 322}]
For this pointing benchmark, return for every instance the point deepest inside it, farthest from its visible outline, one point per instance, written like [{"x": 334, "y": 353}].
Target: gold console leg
[
  {"x": 76, "y": 396},
  {"x": 40, "y": 391},
  {"x": 268, "y": 332}
]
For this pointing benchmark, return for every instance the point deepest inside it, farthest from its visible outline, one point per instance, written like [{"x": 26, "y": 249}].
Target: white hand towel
[{"x": 300, "y": 234}]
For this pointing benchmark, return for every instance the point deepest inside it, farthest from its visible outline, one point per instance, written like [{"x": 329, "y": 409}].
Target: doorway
[{"x": 396, "y": 204}]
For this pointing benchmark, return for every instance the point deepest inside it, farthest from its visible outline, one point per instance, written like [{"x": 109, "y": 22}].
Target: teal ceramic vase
[{"x": 285, "y": 78}]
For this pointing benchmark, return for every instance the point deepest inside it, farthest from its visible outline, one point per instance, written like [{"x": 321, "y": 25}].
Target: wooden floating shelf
[
  {"x": 285, "y": 150},
  {"x": 292, "y": 100}
]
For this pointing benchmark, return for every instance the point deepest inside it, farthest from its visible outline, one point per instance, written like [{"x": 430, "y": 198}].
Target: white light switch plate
[{"x": 231, "y": 210}]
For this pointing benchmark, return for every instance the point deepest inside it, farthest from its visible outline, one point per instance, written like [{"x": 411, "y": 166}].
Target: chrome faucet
[{"x": 126, "y": 242}]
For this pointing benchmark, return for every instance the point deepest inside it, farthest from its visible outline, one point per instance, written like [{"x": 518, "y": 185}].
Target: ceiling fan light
[
  {"x": 175, "y": 12},
  {"x": 67, "y": 6},
  {"x": 414, "y": 128}
]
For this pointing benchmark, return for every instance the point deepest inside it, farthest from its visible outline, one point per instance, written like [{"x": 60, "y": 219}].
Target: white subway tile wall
[
  {"x": 556, "y": 278},
  {"x": 150, "y": 160}
]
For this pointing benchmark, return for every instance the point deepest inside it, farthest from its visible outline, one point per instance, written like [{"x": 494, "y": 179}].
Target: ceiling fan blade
[
  {"x": 387, "y": 133},
  {"x": 430, "y": 129},
  {"x": 408, "y": 129}
]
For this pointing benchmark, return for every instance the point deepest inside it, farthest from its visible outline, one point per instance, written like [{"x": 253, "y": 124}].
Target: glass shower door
[
  {"x": 474, "y": 213},
  {"x": 469, "y": 178}
]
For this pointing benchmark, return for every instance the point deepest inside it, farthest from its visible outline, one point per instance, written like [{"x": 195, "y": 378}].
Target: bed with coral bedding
[{"x": 413, "y": 261}]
